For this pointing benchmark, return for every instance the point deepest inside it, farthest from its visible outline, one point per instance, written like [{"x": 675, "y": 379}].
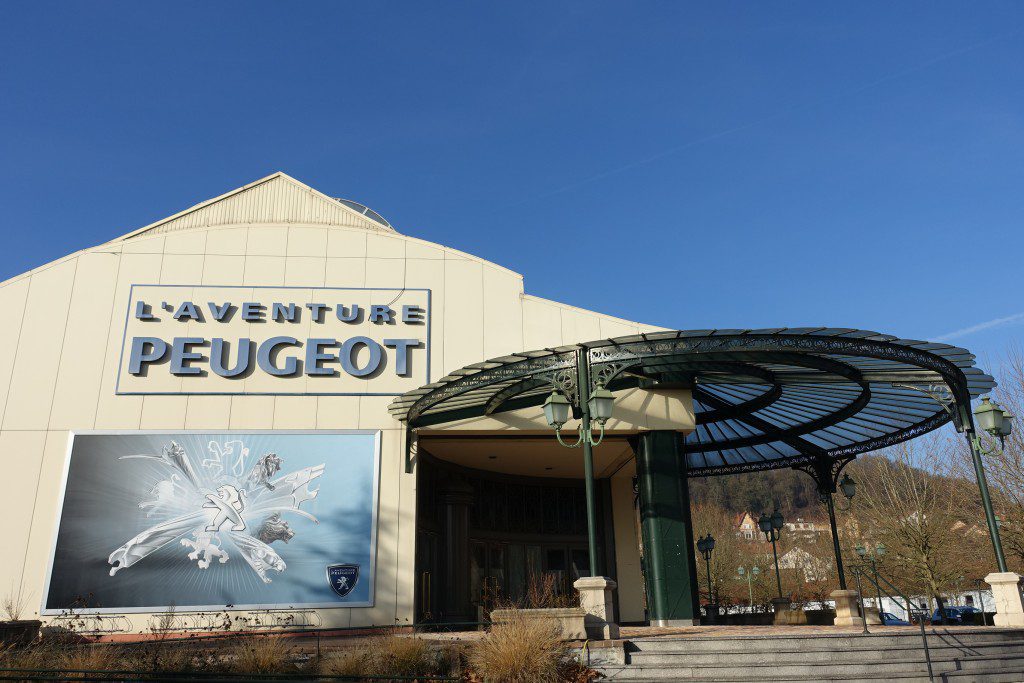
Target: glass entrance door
[
  {"x": 487, "y": 572},
  {"x": 427, "y": 576}
]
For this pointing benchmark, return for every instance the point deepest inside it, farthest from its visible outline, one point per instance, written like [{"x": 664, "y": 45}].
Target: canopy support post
[{"x": 583, "y": 369}]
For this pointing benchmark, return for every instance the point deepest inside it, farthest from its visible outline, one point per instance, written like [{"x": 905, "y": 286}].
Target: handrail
[{"x": 859, "y": 572}]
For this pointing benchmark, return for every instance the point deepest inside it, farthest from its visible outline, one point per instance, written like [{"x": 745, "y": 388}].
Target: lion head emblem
[
  {"x": 264, "y": 470},
  {"x": 274, "y": 529}
]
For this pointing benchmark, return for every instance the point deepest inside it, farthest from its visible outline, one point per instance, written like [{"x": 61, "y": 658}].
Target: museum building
[{"x": 275, "y": 404}]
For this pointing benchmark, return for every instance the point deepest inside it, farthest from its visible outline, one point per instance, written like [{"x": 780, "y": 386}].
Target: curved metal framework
[{"x": 763, "y": 399}]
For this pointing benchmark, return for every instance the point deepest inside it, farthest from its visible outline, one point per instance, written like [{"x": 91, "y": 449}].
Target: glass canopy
[{"x": 762, "y": 398}]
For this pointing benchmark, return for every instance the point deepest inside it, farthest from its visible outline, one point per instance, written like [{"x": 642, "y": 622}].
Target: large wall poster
[{"x": 210, "y": 520}]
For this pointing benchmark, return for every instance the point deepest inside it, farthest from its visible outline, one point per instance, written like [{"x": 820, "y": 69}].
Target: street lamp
[
  {"x": 849, "y": 488},
  {"x": 706, "y": 545},
  {"x": 825, "y": 475},
  {"x": 994, "y": 420},
  {"x": 599, "y": 407},
  {"x": 771, "y": 528},
  {"x": 750, "y": 574},
  {"x": 595, "y": 405},
  {"x": 998, "y": 423},
  {"x": 868, "y": 555}
]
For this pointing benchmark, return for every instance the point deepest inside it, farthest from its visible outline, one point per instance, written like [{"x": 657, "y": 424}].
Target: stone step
[
  {"x": 793, "y": 653},
  {"x": 823, "y": 642},
  {"x": 987, "y": 675},
  {"x": 879, "y": 669}
]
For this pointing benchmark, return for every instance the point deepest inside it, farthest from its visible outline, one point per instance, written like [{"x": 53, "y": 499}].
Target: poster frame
[{"x": 370, "y": 575}]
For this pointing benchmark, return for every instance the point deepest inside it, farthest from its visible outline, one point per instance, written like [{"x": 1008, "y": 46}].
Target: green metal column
[
  {"x": 670, "y": 568},
  {"x": 986, "y": 501},
  {"x": 583, "y": 379}
]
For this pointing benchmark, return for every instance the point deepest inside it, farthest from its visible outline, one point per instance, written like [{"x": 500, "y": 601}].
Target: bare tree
[
  {"x": 909, "y": 501},
  {"x": 709, "y": 518}
]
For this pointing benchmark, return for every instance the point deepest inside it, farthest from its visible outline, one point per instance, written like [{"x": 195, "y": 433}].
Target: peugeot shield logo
[{"x": 342, "y": 578}]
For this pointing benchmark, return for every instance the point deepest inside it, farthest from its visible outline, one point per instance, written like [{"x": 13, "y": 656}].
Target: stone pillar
[
  {"x": 1006, "y": 592},
  {"x": 456, "y": 499},
  {"x": 785, "y": 615},
  {"x": 873, "y": 615},
  {"x": 597, "y": 594},
  {"x": 847, "y": 612},
  {"x": 669, "y": 562}
]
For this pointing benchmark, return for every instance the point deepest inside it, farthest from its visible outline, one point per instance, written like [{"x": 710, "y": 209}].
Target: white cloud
[{"x": 988, "y": 324}]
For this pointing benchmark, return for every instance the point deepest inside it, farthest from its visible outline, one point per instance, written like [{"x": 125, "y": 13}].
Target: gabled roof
[{"x": 278, "y": 198}]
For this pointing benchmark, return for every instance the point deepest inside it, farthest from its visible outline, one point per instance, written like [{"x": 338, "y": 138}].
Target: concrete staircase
[{"x": 958, "y": 655}]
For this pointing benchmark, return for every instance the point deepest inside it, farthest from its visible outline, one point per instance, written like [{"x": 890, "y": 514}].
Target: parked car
[
  {"x": 956, "y": 615},
  {"x": 890, "y": 619}
]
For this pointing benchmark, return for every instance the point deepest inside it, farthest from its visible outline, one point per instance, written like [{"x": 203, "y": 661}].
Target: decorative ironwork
[
  {"x": 565, "y": 381},
  {"x": 941, "y": 394},
  {"x": 825, "y": 472},
  {"x": 602, "y": 374}
]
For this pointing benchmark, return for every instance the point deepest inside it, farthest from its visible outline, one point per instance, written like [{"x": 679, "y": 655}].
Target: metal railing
[{"x": 859, "y": 573}]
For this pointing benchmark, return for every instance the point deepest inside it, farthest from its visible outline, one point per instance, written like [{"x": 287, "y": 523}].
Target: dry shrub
[
  {"x": 543, "y": 592},
  {"x": 519, "y": 650},
  {"x": 388, "y": 655},
  {"x": 12, "y": 605},
  {"x": 262, "y": 655},
  {"x": 174, "y": 657},
  {"x": 92, "y": 658}
]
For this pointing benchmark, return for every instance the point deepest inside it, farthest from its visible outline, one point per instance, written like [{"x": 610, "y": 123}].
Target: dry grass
[
  {"x": 519, "y": 650},
  {"x": 175, "y": 657},
  {"x": 96, "y": 658},
  {"x": 388, "y": 655},
  {"x": 262, "y": 655},
  {"x": 35, "y": 657}
]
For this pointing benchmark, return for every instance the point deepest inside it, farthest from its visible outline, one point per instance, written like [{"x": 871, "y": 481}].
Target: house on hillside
[
  {"x": 746, "y": 527},
  {"x": 812, "y": 568},
  {"x": 802, "y": 527}
]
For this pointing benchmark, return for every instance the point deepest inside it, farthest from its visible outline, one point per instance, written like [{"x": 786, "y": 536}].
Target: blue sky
[{"x": 687, "y": 165}]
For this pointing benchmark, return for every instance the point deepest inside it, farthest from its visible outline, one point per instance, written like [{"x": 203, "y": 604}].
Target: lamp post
[
  {"x": 771, "y": 528},
  {"x": 595, "y": 406},
  {"x": 750, "y": 574},
  {"x": 868, "y": 555},
  {"x": 706, "y": 546},
  {"x": 998, "y": 423}
]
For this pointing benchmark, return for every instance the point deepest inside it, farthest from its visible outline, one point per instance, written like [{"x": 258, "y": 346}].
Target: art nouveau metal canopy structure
[{"x": 763, "y": 399}]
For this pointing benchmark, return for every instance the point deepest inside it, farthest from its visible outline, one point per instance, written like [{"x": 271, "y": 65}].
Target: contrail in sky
[
  {"x": 750, "y": 124},
  {"x": 988, "y": 324}
]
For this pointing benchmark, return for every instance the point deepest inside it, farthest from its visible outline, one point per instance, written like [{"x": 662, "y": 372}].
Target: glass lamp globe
[
  {"x": 711, "y": 542},
  {"x": 777, "y": 520},
  {"x": 556, "y": 410},
  {"x": 1007, "y": 423},
  {"x": 989, "y": 416},
  {"x": 764, "y": 522},
  {"x": 848, "y": 486},
  {"x": 879, "y": 549},
  {"x": 861, "y": 550},
  {"x": 755, "y": 571},
  {"x": 601, "y": 404}
]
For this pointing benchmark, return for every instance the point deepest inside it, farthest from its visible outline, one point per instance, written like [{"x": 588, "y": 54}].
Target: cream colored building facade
[{"x": 65, "y": 357}]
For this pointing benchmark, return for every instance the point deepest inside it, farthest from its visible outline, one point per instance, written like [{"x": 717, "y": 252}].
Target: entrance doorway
[
  {"x": 519, "y": 573},
  {"x": 499, "y": 539}
]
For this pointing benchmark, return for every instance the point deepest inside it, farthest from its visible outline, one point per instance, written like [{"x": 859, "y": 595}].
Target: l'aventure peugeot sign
[{"x": 274, "y": 340}]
